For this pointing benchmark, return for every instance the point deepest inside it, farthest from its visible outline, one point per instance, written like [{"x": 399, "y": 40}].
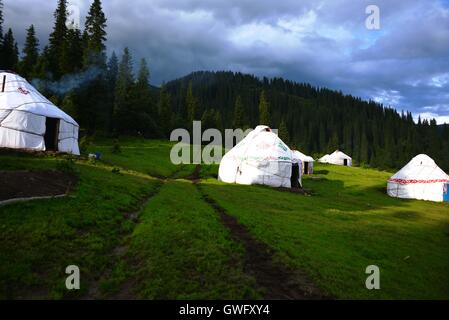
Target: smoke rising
[{"x": 69, "y": 82}]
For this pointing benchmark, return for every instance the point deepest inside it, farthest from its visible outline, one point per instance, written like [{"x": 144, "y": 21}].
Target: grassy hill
[{"x": 141, "y": 227}]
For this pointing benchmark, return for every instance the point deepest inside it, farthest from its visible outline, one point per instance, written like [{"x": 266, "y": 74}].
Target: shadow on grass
[
  {"x": 323, "y": 193},
  {"x": 323, "y": 172},
  {"x": 407, "y": 215}
]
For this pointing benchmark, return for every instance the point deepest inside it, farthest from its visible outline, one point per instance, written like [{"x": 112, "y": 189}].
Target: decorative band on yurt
[{"x": 403, "y": 181}]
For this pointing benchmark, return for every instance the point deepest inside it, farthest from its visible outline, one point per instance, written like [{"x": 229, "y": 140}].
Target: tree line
[
  {"x": 313, "y": 120},
  {"x": 102, "y": 93},
  {"x": 106, "y": 96}
]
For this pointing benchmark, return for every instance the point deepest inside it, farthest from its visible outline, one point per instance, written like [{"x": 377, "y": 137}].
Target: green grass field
[
  {"x": 151, "y": 158},
  {"x": 347, "y": 224},
  {"x": 40, "y": 238},
  {"x": 177, "y": 248}
]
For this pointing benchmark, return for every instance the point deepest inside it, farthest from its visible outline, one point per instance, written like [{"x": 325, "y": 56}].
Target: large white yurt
[
  {"x": 338, "y": 158},
  {"x": 260, "y": 158},
  {"x": 420, "y": 179},
  {"x": 307, "y": 162},
  {"x": 30, "y": 121}
]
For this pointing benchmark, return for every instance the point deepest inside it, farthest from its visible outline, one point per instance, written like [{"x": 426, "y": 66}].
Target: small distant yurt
[
  {"x": 338, "y": 158},
  {"x": 324, "y": 158},
  {"x": 420, "y": 179},
  {"x": 307, "y": 162},
  {"x": 260, "y": 158},
  {"x": 30, "y": 121}
]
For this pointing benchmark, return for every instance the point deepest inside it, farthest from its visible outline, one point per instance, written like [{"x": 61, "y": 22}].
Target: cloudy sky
[{"x": 404, "y": 64}]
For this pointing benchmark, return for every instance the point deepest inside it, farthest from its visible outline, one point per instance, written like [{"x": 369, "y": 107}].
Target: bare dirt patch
[
  {"x": 277, "y": 281},
  {"x": 31, "y": 184}
]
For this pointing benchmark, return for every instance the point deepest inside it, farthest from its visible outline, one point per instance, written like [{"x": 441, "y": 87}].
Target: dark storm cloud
[{"x": 404, "y": 64}]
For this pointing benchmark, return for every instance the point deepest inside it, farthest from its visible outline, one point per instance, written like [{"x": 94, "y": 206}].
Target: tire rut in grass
[
  {"x": 126, "y": 288},
  {"x": 277, "y": 281},
  {"x": 125, "y": 291}
]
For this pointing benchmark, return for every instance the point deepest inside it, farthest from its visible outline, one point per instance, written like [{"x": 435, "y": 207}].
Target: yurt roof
[
  {"x": 261, "y": 144},
  {"x": 302, "y": 156},
  {"x": 18, "y": 94},
  {"x": 340, "y": 155},
  {"x": 421, "y": 169}
]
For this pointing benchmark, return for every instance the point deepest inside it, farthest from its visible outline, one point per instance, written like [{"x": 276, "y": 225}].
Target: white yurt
[
  {"x": 307, "y": 162},
  {"x": 30, "y": 121},
  {"x": 420, "y": 179},
  {"x": 260, "y": 158},
  {"x": 324, "y": 158},
  {"x": 338, "y": 158}
]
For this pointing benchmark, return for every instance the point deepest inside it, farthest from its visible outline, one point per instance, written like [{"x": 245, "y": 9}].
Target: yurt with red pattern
[{"x": 420, "y": 179}]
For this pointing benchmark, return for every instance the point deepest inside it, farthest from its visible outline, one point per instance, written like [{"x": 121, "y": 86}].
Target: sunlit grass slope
[{"x": 346, "y": 224}]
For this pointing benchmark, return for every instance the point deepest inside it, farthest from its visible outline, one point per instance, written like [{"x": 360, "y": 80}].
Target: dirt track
[{"x": 275, "y": 280}]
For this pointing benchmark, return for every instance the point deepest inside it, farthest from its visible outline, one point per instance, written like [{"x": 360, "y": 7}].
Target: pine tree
[
  {"x": 283, "y": 133},
  {"x": 96, "y": 104},
  {"x": 264, "y": 114},
  {"x": 219, "y": 121},
  {"x": 112, "y": 73},
  {"x": 143, "y": 113},
  {"x": 143, "y": 76},
  {"x": 239, "y": 114},
  {"x": 30, "y": 54},
  {"x": 165, "y": 111},
  {"x": 333, "y": 142},
  {"x": 10, "y": 52},
  {"x": 57, "y": 39},
  {"x": 69, "y": 105},
  {"x": 72, "y": 52},
  {"x": 113, "y": 69},
  {"x": 208, "y": 119},
  {"x": 142, "y": 89},
  {"x": 364, "y": 156},
  {"x": 95, "y": 31},
  {"x": 42, "y": 69},
  {"x": 191, "y": 104},
  {"x": 125, "y": 81},
  {"x": 322, "y": 139}
]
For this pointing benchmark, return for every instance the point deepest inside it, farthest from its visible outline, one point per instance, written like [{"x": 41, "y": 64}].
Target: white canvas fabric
[
  {"x": 324, "y": 158},
  {"x": 338, "y": 158},
  {"x": 23, "y": 113},
  {"x": 260, "y": 158},
  {"x": 306, "y": 161},
  {"x": 420, "y": 179}
]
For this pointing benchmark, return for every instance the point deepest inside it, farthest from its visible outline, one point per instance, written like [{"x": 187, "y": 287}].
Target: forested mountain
[
  {"x": 106, "y": 96},
  {"x": 318, "y": 120}
]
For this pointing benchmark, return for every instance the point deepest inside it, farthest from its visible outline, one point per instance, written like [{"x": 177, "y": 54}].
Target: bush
[
  {"x": 67, "y": 165},
  {"x": 116, "y": 147},
  {"x": 84, "y": 144}
]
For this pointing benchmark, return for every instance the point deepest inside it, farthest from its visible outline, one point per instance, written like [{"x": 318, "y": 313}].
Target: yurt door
[
  {"x": 51, "y": 134},
  {"x": 446, "y": 193},
  {"x": 295, "y": 176},
  {"x": 306, "y": 168},
  {"x": 345, "y": 162}
]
